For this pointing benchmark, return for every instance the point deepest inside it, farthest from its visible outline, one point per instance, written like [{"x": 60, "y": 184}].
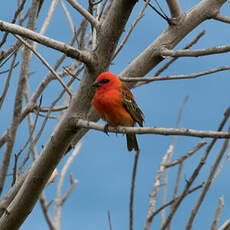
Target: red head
[{"x": 107, "y": 80}]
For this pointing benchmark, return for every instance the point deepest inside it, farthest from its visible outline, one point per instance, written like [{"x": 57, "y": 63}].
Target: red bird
[{"x": 116, "y": 105}]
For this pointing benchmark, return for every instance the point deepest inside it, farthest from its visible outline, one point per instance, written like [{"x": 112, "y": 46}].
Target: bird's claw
[{"x": 106, "y": 129}]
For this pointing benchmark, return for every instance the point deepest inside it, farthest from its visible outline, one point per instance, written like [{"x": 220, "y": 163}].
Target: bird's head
[{"x": 107, "y": 80}]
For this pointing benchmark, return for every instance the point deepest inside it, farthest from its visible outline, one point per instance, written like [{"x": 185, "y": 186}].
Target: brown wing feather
[{"x": 131, "y": 106}]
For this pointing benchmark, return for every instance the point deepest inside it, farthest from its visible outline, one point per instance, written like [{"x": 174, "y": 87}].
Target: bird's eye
[{"x": 103, "y": 81}]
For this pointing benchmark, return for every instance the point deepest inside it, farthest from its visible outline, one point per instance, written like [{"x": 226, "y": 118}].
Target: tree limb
[
  {"x": 153, "y": 130},
  {"x": 174, "y": 8},
  {"x": 195, "y": 53},
  {"x": 94, "y": 22},
  {"x": 82, "y": 56},
  {"x": 222, "y": 18}
]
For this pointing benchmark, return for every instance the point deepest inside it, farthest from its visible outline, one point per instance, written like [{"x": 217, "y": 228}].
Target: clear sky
[{"x": 104, "y": 166}]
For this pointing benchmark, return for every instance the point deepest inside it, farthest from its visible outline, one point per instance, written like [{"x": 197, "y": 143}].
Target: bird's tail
[{"x": 132, "y": 142}]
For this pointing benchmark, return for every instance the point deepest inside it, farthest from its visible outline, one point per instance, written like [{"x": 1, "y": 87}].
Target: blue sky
[{"x": 104, "y": 166}]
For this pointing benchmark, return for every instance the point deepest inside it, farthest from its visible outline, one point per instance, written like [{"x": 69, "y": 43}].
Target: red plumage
[{"x": 116, "y": 105}]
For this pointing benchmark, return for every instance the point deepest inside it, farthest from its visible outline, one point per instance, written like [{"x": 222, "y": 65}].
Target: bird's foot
[{"x": 106, "y": 129}]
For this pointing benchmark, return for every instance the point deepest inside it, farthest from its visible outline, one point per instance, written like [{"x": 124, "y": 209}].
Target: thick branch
[
  {"x": 174, "y": 8},
  {"x": 152, "y": 56},
  {"x": 82, "y": 56},
  {"x": 153, "y": 130}
]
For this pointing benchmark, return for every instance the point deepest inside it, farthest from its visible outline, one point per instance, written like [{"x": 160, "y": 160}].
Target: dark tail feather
[{"x": 132, "y": 142}]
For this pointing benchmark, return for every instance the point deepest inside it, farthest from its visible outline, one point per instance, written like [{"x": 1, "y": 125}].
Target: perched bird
[{"x": 116, "y": 105}]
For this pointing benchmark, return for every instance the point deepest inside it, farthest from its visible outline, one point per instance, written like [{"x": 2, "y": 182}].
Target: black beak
[{"x": 96, "y": 84}]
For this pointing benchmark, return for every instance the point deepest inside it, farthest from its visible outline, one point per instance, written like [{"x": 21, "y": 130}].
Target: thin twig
[
  {"x": 225, "y": 225},
  {"x": 9, "y": 53},
  {"x": 217, "y": 214},
  {"x": 195, "y": 53},
  {"x": 59, "y": 200},
  {"x": 45, "y": 63},
  {"x": 187, "y": 155},
  {"x": 140, "y": 15},
  {"x": 221, "y": 167},
  {"x": 6, "y": 71},
  {"x": 110, "y": 221},
  {"x": 73, "y": 183},
  {"x": 196, "y": 171},
  {"x": 169, "y": 154},
  {"x": 175, "y": 77},
  {"x": 102, "y": 9},
  {"x": 156, "y": 186},
  {"x": 55, "y": 109},
  {"x": 173, "y": 201},
  {"x": 187, "y": 46},
  {"x": 67, "y": 15},
  {"x": 43, "y": 126},
  {"x": 208, "y": 184},
  {"x": 4, "y": 93},
  {"x": 70, "y": 51},
  {"x": 32, "y": 132},
  {"x": 71, "y": 74},
  {"x": 162, "y": 14},
  {"x": 133, "y": 189},
  {"x": 45, "y": 211},
  {"x": 17, "y": 12},
  {"x": 94, "y": 22}
]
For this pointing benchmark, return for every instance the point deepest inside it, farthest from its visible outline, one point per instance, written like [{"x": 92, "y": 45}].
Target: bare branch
[
  {"x": 55, "y": 109},
  {"x": 18, "y": 11},
  {"x": 132, "y": 190},
  {"x": 172, "y": 201},
  {"x": 26, "y": 57},
  {"x": 217, "y": 214},
  {"x": 222, "y": 18},
  {"x": 142, "y": 80},
  {"x": 9, "y": 53},
  {"x": 184, "y": 157},
  {"x": 195, "y": 53},
  {"x": 45, "y": 63},
  {"x": 94, "y": 22},
  {"x": 47, "y": 216},
  {"x": 169, "y": 154},
  {"x": 140, "y": 15},
  {"x": 174, "y": 8},
  {"x": 153, "y": 130},
  {"x": 67, "y": 15},
  {"x": 221, "y": 167},
  {"x": 59, "y": 200},
  {"x": 71, "y": 74},
  {"x": 196, "y": 171},
  {"x": 3, "y": 96},
  {"x": 110, "y": 221},
  {"x": 187, "y": 46},
  {"x": 32, "y": 131},
  {"x": 208, "y": 183},
  {"x": 156, "y": 186},
  {"x": 225, "y": 225},
  {"x": 83, "y": 56},
  {"x": 73, "y": 183},
  {"x": 43, "y": 126}
]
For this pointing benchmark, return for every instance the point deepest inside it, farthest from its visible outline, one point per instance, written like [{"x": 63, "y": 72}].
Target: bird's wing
[{"x": 131, "y": 106}]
